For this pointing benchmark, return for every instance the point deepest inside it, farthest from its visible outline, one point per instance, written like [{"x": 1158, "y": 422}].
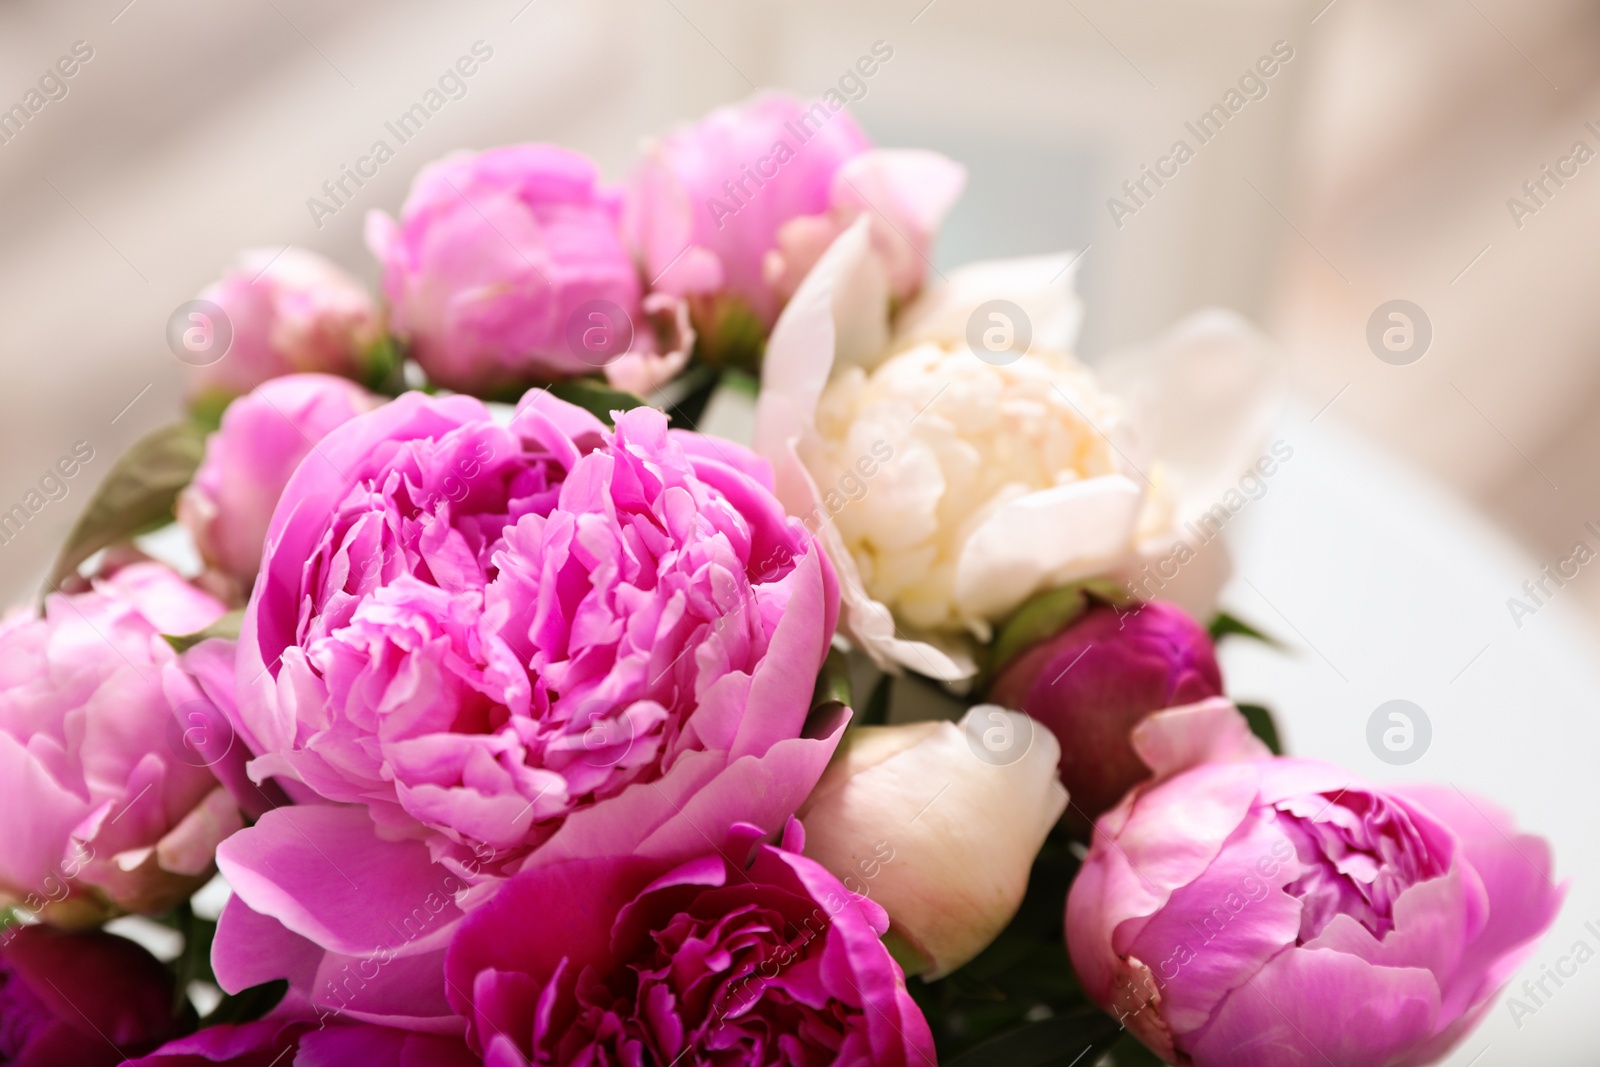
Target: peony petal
[
  {"x": 285, "y": 867},
  {"x": 1042, "y": 539},
  {"x": 1309, "y": 1009}
]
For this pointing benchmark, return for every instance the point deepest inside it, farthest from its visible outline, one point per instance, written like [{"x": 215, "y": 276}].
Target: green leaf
[
  {"x": 383, "y": 366},
  {"x": 1053, "y": 1042},
  {"x": 227, "y": 626},
  {"x": 1263, "y": 726},
  {"x": 876, "y": 713},
  {"x": 194, "y": 962},
  {"x": 1224, "y": 625},
  {"x": 833, "y": 680},
  {"x": 1048, "y": 613},
  {"x": 136, "y": 496},
  {"x": 247, "y": 1005},
  {"x": 595, "y": 397},
  {"x": 1129, "y": 1052}
]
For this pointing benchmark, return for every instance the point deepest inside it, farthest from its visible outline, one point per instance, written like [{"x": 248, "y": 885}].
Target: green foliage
[
  {"x": 1226, "y": 625},
  {"x": 1046, "y": 614},
  {"x": 1019, "y": 1002},
  {"x": 227, "y": 626},
  {"x": 137, "y": 495},
  {"x": 595, "y": 397},
  {"x": 1263, "y": 726},
  {"x": 833, "y": 681}
]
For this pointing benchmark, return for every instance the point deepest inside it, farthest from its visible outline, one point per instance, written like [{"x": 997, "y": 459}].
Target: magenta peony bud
[
  {"x": 939, "y": 823},
  {"x": 118, "y": 812},
  {"x": 1263, "y": 912},
  {"x": 288, "y": 311},
  {"x": 508, "y": 267},
  {"x": 1093, "y": 682},
  {"x": 248, "y": 461},
  {"x": 89, "y": 999}
]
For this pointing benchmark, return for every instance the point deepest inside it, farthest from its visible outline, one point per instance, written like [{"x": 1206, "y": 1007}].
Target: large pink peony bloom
[
  {"x": 508, "y": 267},
  {"x": 263, "y": 437},
  {"x": 746, "y": 955},
  {"x": 289, "y": 311},
  {"x": 483, "y": 640},
  {"x": 1281, "y": 912},
  {"x": 105, "y": 806},
  {"x": 733, "y": 210}
]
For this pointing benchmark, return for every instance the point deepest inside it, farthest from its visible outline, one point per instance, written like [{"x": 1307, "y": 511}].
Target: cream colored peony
[
  {"x": 949, "y": 488},
  {"x": 981, "y": 453}
]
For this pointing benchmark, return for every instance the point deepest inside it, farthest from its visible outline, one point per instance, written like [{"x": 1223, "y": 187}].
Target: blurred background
[{"x": 1400, "y": 150}]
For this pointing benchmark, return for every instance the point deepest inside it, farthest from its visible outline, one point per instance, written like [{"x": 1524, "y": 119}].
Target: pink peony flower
[
  {"x": 485, "y": 642},
  {"x": 107, "y": 807},
  {"x": 288, "y": 311},
  {"x": 263, "y": 438},
  {"x": 508, "y": 267},
  {"x": 733, "y": 210},
  {"x": 1094, "y": 681},
  {"x": 1281, "y": 912},
  {"x": 749, "y": 954},
  {"x": 88, "y": 999}
]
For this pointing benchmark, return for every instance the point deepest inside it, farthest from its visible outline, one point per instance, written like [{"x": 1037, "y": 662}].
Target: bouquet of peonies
[{"x": 528, "y": 721}]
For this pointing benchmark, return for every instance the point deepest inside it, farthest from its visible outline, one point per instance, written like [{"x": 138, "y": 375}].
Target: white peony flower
[
  {"x": 948, "y": 488},
  {"x": 982, "y": 454}
]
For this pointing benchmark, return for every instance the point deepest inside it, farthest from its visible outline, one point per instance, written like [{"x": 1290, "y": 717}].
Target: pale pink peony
[
  {"x": 732, "y": 211},
  {"x": 289, "y": 311},
  {"x": 248, "y": 460},
  {"x": 106, "y": 808},
  {"x": 508, "y": 267}
]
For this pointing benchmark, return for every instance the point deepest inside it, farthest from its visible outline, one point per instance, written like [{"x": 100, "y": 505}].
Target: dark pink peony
[
  {"x": 748, "y": 955},
  {"x": 85, "y": 1000},
  {"x": 1092, "y": 683},
  {"x": 493, "y": 644}
]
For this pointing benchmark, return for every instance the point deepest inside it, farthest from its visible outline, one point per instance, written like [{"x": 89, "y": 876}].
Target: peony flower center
[
  {"x": 21, "y": 1014},
  {"x": 1361, "y": 851},
  {"x": 736, "y": 986},
  {"x": 967, "y": 437}
]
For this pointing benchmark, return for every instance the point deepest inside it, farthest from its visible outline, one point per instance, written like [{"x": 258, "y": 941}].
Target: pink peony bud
[
  {"x": 508, "y": 267},
  {"x": 1264, "y": 912},
  {"x": 89, "y": 999},
  {"x": 1094, "y": 681},
  {"x": 248, "y": 461},
  {"x": 939, "y": 823},
  {"x": 111, "y": 809},
  {"x": 286, "y": 311},
  {"x": 732, "y": 211}
]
